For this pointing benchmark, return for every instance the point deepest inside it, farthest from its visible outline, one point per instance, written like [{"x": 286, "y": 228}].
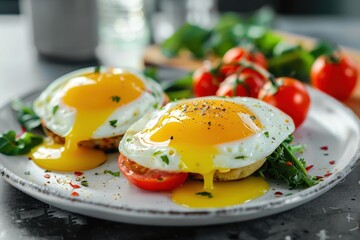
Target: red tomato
[
  {"x": 336, "y": 78},
  {"x": 235, "y": 54},
  {"x": 244, "y": 85},
  {"x": 291, "y": 97},
  {"x": 205, "y": 83},
  {"x": 150, "y": 179},
  {"x": 228, "y": 69}
]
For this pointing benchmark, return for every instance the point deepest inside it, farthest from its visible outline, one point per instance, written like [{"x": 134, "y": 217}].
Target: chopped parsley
[
  {"x": 156, "y": 105},
  {"x": 165, "y": 159},
  {"x": 240, "y": 157},
  {"x": 97, "y": 69},
  {"x": 55, "y": 109},
  {"x": 27, "y": 173},
  {"x": 47, "y": 170},
  {"x": 157, "y": 152},
  {"x": 115, "y": 174},
  {"x": 84, "y": 183},
  {"x": 205, "y": 194},
  {"x": 113, "y": 123},
  {"x": 253, "y": 118},
  {"x": 115, "y": 98},
  {"x": 266, "y": 134}
]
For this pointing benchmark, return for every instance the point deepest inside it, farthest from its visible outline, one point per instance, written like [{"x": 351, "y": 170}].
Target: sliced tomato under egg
[{"x": 150, "y": 179}]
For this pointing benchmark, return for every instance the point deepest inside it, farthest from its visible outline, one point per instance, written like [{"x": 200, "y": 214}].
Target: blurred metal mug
[{"x": 65, "y": 29}]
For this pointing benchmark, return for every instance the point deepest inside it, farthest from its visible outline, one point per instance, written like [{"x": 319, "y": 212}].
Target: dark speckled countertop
[{"x": 333, "y": 215}]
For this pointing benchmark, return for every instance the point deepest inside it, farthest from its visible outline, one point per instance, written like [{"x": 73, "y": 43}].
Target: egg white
[
  {"x": 63, "y": 120},
  {"x": 277, "y": 126}
]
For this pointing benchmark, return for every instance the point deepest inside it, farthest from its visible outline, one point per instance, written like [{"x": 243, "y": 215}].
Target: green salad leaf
[{"x": 11, "y": 145}]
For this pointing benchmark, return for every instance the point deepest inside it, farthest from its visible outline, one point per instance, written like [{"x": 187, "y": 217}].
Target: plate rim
[{"x": 250, "y": 208}]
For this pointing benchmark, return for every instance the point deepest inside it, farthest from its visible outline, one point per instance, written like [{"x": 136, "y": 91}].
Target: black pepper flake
[{"x": 172, "y": 138}]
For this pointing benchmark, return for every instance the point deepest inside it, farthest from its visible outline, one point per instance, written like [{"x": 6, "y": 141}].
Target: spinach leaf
[{"x": 283, "y": 164}]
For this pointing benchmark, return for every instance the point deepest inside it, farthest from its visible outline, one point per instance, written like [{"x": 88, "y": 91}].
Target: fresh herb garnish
[
  {"x": 266, "y": 134},
  {"x": 206, "y": 194},
  {"x": 240, "y": 157},
  {"x": 115, "y": 174},
  {"x": 97, "y": 69},
  {"x": 277, "y": 166},
  {"x": 252, "y": 117},
  {"x": 115, "y": 99},
  {"x": 11, "y": 145},
  {"x": 84, "y": 183},
  {"x": 25, "y": 115},
  {"x": 55, "y": 109},
  {"x": 113, "y": 123},
  {"x": 27, "y": 173},
  {"x": 157, "y": 152},
  {"x": 165, "y": 159},
  {"x": 47, "y": 170}
]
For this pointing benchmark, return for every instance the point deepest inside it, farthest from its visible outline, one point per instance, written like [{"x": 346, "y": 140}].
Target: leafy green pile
[
  {"x": 284, "y": 58},
  {"x": 284, "y": 165},
  {"x": 10, "y": 143}
]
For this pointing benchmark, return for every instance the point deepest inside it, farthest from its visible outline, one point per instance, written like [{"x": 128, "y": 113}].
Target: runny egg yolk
[
  {"x": 98, "y": 95},
  {"x": 194, "y": 130}
]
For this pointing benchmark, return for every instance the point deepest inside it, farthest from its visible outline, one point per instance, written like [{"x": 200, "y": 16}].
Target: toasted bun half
[
  {"x": 109, "y": 144},
  {"x": 233, "y": 174}
]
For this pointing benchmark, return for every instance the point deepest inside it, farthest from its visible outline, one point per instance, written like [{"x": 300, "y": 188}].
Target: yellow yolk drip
[
  {"x": 194, "y": 129},
  {"x": 94, "y": 101},
  {"x": 193, "y": 195}
]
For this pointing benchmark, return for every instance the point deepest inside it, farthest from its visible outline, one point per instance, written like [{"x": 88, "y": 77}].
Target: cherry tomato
[
  {"x": 229, "y": 69},
  {"x": 150, "y": 179},
  {"x": 205, "y": 83},
  {"x": 235, "y": 54},
  {"x": 291, "y": 97},
  {"x": 243, "y": 84},
  {"x": 336, "y": 77}
]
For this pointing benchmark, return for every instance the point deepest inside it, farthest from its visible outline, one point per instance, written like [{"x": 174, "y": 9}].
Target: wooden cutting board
[{"x": 153, "y": 56}]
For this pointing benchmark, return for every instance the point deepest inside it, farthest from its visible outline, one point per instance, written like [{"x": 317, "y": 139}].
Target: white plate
[{"x": 329, "y": 124}]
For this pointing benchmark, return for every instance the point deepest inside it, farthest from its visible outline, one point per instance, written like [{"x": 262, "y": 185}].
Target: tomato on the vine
[
  {"x": 235, "y": 54},
  {"x": 150, "y": 179},
  {"x": 289, "y": 95},
  {"x": 334, "y": 75},
  {"x": 206, "y": 82},
  {"x": 229, "y": 69},
  {"x": 243, "y": 84}
]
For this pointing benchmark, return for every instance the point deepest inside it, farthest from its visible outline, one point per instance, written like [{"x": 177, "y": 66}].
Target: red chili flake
[
  {"x": 332, "y": 162},
  {"x": 309, "y": 167},
  {"x": 278, "y": 194},
  {"x": 288, "y": 163},
  {"x": 78, "y": 173},
  {"x": 325, "y": 148},
  {"x": 74, "y": 194},
  {"x": 319, "y": 177},
  {"x": 74, "y": 185},
  {"x": 46, "y": 176},
  {"x": 23, "y": 130},
  {"x": 327, "y": 174}
]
